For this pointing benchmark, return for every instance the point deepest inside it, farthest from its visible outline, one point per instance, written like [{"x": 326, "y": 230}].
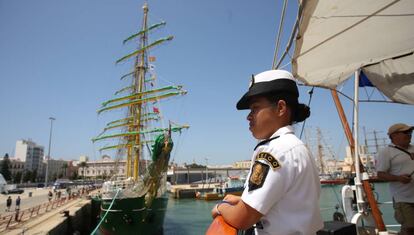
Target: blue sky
[{"x": 57, "y": 58}]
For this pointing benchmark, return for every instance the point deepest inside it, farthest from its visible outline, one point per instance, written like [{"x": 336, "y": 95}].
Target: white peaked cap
[
  {"x": 271, "y": 81},
  {"x": 271, "y": 75}
]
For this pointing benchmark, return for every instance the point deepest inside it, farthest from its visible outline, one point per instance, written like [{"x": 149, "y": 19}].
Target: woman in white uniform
[{"x": 282, "y": 190}]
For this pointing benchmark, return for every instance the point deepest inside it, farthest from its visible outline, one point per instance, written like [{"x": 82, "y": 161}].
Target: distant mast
[{"x": 320, "y": 152}]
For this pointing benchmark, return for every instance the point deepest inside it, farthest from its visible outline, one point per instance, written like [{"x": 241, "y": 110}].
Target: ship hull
[
  {"x": 327, "y": 182},
  {"x": 129, "y": 216}
]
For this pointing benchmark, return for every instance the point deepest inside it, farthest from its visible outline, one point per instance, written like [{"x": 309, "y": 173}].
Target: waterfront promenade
[
  {"x": 39, "y": 196},
  {"x": 39, "y": 216},
  {"x": 42, "y": 224}
]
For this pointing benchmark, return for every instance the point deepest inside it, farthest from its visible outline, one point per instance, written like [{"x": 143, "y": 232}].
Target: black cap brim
[{"x": 261, "y": 88}]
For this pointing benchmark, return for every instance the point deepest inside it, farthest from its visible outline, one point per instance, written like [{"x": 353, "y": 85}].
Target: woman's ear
[{"x": 281, "y": 108}]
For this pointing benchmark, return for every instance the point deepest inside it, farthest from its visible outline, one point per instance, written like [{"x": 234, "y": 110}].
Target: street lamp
[{"x": 48, "y": 152}]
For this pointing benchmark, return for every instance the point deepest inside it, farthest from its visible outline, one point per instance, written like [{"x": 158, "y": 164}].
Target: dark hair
[{"x": 300, "y": 112}]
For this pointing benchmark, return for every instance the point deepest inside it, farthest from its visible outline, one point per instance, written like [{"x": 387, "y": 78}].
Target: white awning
[
  {"x": 338, "y": 37},
  {"x": 394, "y": 77}
]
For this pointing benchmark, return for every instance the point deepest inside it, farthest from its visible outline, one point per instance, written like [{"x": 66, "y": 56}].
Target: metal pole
[
  {"x": 206, "y": 169},
  {"x": 48, "y": 152},
  {"x": 358, "y": 184}
]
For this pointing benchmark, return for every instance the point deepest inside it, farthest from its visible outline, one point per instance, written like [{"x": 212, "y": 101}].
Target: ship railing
[
  {"x": 19, "y": 216},
  {"x": 115, "y": 185},
  {"x": 384, "y": 205}
]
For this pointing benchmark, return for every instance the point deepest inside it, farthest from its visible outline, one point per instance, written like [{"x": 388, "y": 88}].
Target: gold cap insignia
[{"x": 251, "y": 81}]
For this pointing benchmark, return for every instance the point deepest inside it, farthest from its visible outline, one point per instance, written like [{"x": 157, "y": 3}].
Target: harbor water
[{"x": 192, "y": 217}]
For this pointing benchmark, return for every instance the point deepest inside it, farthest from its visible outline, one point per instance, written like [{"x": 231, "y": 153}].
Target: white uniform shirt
[
  {"x": 289, "y": 196},
  {"x": 397, "y": 162}
]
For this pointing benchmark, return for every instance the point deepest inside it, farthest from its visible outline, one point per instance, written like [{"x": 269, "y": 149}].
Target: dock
[{"x": 182, "y": 191}]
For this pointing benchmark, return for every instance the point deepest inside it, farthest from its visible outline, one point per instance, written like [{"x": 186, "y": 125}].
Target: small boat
[
  {"x": 232, "y": 185},
  {"x": 329, "y": 179},
  {"x": 209, "y": 196},
  {"x": 333, "y": 181}
]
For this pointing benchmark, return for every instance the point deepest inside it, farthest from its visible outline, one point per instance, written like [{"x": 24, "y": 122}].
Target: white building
[
  {"x": 83, "y": 158},
  {"x": 366, "y": 159},
  {"x": 16, "y": 166},
  {"x": 56, "y": 169},
  {"x": 104, "y": 167},
  {"x": 30, "y": 153}
]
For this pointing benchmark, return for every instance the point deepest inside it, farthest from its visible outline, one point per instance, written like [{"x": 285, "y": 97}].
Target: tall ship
[{"x": 135, "y": 202}]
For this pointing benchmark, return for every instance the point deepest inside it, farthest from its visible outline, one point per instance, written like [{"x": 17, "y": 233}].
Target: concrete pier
[
  {"x": 182, "y": 191},
  {"x": 70, "y": 217}
]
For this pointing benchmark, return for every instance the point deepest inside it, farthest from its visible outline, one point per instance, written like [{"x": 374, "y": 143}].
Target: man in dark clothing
[
  {"x": 18, "y": 203},
  {"x": 8, "y": 203},
  {"x": 50, "y": 196}
]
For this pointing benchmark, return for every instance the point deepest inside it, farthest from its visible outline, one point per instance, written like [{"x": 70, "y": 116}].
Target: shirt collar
[{"x": 283, "y": 130}]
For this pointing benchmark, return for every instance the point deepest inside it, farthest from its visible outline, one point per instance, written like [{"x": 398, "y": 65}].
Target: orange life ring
[{"x": 219, "y": 226}]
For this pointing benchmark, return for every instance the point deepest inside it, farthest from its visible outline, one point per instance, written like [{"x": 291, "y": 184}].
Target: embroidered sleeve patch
[
  {"x": 274, "y": 163},
  {"x": 258, "y": 175}
]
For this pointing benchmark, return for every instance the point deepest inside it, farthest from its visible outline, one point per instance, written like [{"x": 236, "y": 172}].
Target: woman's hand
[
  {"x": 229, "y": 199},
  {"x": 214, "y": 212},
  {"x": 232, "y": 199}
]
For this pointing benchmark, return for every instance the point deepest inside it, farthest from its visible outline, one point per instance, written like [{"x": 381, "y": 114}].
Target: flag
[
  {"x": 364, "y": 81},
  {"x": 151, "y": 58}
]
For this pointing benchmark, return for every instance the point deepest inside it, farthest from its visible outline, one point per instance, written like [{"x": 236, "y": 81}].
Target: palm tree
[{"x": 5, "y": 167}]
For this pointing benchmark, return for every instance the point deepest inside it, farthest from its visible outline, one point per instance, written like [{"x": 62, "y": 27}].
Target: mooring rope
[{"x": 109, "y": 208}]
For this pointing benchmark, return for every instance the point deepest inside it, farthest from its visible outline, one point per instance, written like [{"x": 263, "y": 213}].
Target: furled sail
[
  {"x": 154, "y": 26},
  {"x": 141, "y": 50},
  {"x": 134, "y": 133},
  {"x": 143, "y": 100},
  {"x": 163, "y": 89}
]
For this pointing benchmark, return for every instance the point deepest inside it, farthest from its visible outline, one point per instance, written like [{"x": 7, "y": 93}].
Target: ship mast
[
  {"x": 132, "y": 130},
  {"x": 139, "y": 78}
]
